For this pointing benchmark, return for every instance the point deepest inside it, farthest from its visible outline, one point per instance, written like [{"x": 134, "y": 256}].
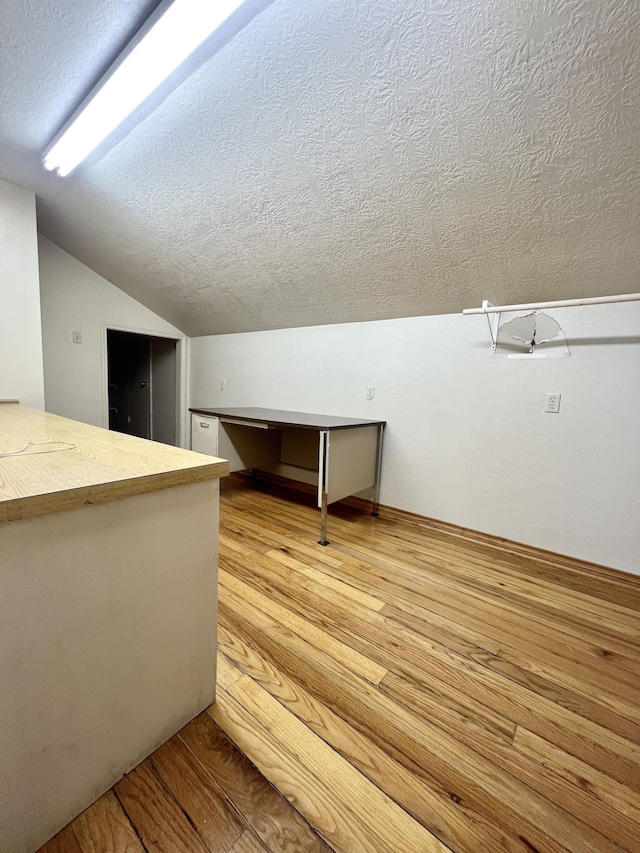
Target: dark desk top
[{"x": 294, "y": 419}]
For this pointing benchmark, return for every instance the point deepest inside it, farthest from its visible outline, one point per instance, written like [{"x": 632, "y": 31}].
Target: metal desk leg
[
  {"x": 323, "y": 520},
  {"x": 323, "y": 474},
  {"x": 376, "y": 488}
]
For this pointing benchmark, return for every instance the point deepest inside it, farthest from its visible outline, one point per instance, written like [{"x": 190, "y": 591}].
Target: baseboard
[{"x": 490, "y": 540}]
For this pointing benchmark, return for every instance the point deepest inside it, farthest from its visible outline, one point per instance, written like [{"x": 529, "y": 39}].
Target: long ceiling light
[{"x": 182, "y": 28}]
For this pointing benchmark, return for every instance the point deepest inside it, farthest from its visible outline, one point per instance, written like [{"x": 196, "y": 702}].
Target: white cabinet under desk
[{"x": 339, "y": 456}]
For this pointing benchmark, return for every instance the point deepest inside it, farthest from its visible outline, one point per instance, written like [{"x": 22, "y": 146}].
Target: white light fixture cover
[{"x": 176, "y": 34}]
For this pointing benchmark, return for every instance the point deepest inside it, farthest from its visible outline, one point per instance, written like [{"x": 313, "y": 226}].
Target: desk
[
  {"x": 340, "y": 456},
  {"x": 108, "y": 591}
]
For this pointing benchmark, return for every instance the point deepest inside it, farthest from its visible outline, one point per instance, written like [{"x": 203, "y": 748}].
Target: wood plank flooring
[{"x": 408, "y": 689}]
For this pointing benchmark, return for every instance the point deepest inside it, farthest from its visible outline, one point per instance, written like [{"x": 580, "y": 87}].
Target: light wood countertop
[{"x": 103, "y": 465}]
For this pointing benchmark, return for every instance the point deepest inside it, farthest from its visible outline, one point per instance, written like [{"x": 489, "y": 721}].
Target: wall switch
[
  {"x": 221, "y": 385},
  {"x": 77, "y": 337},
  {"x": 371, "y": 392},
  {"x": 553, "y": 403}
]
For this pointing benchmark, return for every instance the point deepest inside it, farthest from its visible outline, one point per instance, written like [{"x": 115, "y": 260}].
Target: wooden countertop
[
  {"x": 277, "y": 417},
  {"x": 103, "y": 465}
]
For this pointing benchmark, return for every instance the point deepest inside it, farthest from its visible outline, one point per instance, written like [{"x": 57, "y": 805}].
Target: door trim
[{"x": 182, "y": 355}]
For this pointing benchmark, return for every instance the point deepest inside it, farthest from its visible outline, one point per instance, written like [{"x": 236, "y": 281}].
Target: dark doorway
[{"x": 142, "y": 377}]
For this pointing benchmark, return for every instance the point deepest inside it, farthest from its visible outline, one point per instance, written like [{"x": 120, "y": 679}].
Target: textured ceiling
[{"x": 342, "y": 160}]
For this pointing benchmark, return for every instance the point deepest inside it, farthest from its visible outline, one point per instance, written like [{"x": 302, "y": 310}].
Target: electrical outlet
[
  {"x": 371, "y": 392},
  {"x": 77, "y": 337},
  {"x": 221, "y": 385},
  {"x": 553, "y": 403}
]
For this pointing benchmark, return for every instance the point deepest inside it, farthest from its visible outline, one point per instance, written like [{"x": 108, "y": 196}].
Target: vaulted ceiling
[{"x": 343, "y": 160}]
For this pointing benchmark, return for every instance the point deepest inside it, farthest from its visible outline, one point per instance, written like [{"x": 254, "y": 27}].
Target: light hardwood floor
[{"x": 408, "y": 688}]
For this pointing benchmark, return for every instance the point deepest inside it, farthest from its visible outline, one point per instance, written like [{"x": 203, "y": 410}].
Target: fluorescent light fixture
[{"x": 182, "y": 28}]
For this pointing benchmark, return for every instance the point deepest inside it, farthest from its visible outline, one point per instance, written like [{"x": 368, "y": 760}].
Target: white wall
[
  {"x": 21, "y": 375},
  {"x": 74, "y": 298},
  {"x": 467, "y": 440}
]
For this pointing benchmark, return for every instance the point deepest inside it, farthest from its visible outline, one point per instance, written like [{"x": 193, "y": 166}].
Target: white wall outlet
[
  {"x": 76, "y": 337},
  {"x": 221, "y": 385},
  {"x": 371, "y": 392},
  {"x": 553, "y": 403}
]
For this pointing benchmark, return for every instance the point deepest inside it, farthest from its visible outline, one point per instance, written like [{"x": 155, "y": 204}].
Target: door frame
[{"x": 182, "y": 359}]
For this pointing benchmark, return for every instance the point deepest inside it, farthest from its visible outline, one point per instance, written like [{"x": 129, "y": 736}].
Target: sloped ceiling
[{"x": 342, "y": 160}]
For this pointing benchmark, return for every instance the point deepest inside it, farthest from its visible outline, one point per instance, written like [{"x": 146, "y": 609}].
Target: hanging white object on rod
[
  {"x": 487, "y": 308},
  {"x": 494, "y": 324}
]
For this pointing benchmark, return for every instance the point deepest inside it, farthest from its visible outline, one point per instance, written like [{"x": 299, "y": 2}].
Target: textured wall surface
[{"x": 340, "y": 160}]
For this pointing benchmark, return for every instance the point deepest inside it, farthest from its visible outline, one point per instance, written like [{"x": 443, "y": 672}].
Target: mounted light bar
[{"x": 182, "y": 28}]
